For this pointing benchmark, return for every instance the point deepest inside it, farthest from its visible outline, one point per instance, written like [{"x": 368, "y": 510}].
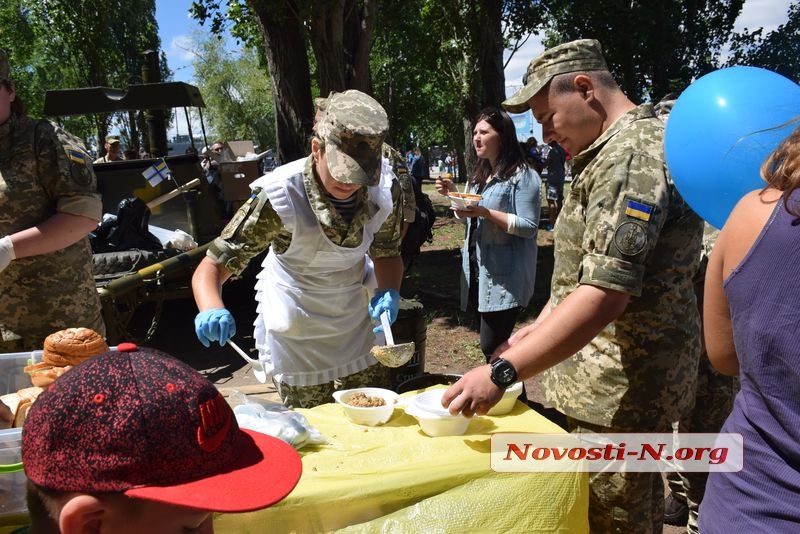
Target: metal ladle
[
  {"x": 392, "y": 355},
  {"x": 258, "y": 368}
]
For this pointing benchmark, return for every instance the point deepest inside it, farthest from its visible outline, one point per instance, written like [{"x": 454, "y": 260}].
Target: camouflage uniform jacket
[
  {"x": 625, "y": 227},
  {"x": 44, "y": 171},
  {"x": 256, "y": 226}
]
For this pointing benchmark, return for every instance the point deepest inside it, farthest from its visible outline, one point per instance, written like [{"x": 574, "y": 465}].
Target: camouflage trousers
[
  {"x": 713, "y": 404},
  {"x": 309, "y": 396},
  {"x": 620, "y": 502}
]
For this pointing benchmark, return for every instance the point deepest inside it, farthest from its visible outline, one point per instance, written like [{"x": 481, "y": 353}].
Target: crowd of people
[{"x": 618, "y": 347}]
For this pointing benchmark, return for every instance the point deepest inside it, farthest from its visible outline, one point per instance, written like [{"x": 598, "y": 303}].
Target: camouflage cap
[
  {"x": 575, "y": 56},
  {"x": 111, "y": 139},
  {"x": 353, "y": 127},
  {"x": 5, "y": 68}
]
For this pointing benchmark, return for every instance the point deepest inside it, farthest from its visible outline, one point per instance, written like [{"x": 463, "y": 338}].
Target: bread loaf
[
  {"x": 72, "y": 345},
  {"x": 19, "y": 403},
  {"x": 43, "y": 374}
]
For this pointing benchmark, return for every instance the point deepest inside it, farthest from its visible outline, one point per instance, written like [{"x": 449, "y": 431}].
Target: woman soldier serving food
[{"x": 332, "y": 224}]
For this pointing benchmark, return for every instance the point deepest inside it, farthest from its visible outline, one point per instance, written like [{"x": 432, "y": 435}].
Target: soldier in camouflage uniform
[
  {"x": 398, "y": 163},
  {"x": 712, "y": 404},
  {"x": 619, "y": 341},
  {"x": 327, "y": 219},
  {"x": 48, "y": 206}
]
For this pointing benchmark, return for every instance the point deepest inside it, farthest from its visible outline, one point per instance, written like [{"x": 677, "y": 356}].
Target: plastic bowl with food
[
  {"x": 463, "y": 201},
  {"x": 367, "y": 406},
  {"x": 433, "y": 419},
  {"x": 508, "y": 401}
]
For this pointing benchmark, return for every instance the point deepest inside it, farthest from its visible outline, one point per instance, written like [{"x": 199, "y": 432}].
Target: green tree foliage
[
  {"x": 237, "y": 92},
  {"x": 58, "y": 44},
  {"x": 436, "y": 63},
  {"x": 653, "y": 47},
  {"x": 778, "y": 51}
]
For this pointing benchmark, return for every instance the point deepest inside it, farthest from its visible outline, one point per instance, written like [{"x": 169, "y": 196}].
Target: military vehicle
[{"x": 128, "y": 279}]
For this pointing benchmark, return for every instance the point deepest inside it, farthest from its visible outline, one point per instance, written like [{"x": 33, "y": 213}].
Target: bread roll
[{"x": 72, "y": 345}]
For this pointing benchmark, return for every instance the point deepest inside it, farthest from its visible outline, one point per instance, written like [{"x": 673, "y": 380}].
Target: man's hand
[
  {"x": 6, "y": 252},
  {"x": 216, "y": 324},
  {"x": 473, "y": 394}
]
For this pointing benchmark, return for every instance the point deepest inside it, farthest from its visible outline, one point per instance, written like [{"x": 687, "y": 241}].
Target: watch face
[
  {"x": 503, "y": 373},
  {"x": 506, "y": 374}
]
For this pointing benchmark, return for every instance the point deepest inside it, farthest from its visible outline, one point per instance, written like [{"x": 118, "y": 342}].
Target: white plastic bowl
[
  {"x": 433, "y": 419},
  {"x": 508, "y": 401},
  {"x": 369, "y": 416},
  {"x": 463, "y": 201}
]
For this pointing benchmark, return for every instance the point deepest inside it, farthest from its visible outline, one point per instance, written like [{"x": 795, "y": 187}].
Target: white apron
[{"x": 312, "y": 325}]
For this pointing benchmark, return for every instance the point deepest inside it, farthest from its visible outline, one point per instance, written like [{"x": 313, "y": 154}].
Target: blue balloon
[{"x": 720, "y": 131}]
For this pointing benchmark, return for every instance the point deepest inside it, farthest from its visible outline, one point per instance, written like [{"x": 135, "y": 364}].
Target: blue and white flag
[{"x": 156, "y": 173}]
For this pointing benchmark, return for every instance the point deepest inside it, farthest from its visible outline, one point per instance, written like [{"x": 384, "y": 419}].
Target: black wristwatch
[{"x": 503, "y": 373}]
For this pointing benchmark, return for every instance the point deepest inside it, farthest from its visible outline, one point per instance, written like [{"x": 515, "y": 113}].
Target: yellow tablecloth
[{"x": 394, "y": 478}]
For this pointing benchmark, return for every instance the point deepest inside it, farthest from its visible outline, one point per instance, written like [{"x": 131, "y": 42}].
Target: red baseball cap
[{"x": 140, "y": 422}]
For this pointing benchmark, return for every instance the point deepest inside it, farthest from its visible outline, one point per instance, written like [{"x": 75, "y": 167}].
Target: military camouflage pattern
[
  {"x": 713, "y": 403},
  {"x": 398, "y": 163},
  {"x": 625, "y": 227},
  {"x": 375, "y": 376},
  {"x": 619, "y": 502},
  {"x": 256, "y": 226},
  {"x": 44, "y": 171},
  {"x": 5, "y": 69},
  {"x": 353, "y": 127},
  {"x": 576, "y": 56}
]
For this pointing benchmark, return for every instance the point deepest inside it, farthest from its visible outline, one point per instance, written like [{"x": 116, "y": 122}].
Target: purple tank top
[{"x": 764, "y": 297}]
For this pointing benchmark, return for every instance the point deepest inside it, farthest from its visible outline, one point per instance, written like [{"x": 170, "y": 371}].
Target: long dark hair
[{"x": 510, "y": 157}]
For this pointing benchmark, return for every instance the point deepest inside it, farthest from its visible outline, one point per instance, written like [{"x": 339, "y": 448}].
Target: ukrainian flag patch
[
  {"x": 76, "y": 156},
  {"x": 638, "y": 210}
]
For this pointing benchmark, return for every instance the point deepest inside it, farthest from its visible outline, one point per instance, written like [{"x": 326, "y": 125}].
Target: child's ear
[
  {"x": 81, "y": 514},
  {"x": 315, "y": 149}
]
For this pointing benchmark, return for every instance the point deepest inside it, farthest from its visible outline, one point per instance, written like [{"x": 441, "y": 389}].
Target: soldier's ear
[{"x": 316, "y": 150}]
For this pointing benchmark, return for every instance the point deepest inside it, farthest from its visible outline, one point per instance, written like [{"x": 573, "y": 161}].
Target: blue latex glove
[
  {"x": 384, "y": 299},
  {"x": 216, "y": 324}
]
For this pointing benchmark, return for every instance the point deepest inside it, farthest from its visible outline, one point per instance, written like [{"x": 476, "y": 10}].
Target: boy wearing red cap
[{"x": 137, "y": 441}]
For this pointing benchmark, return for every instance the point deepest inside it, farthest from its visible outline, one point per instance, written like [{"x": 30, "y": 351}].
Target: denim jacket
[{"x": 506, "y": 262}]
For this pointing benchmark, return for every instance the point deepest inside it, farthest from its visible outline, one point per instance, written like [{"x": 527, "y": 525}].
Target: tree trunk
[
  {"x": 285, "y": 50},
  {"x": 341, "y": 36},
  {"x": 490, "y": 54}
]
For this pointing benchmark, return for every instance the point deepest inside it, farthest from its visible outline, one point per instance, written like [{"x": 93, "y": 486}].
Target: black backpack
[
  {"x": 127, "y": 230},
  {"x": 421, "y": 230}
]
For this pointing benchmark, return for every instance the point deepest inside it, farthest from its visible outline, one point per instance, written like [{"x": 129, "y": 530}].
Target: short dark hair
[{"x": 562, "y": 83}]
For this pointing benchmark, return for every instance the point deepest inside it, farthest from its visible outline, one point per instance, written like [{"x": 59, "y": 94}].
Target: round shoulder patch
[{"x": 630, "y": 238}]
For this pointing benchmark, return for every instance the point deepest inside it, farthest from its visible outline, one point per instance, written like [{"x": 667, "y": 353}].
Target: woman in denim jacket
[{"x": 499, "y": 253}]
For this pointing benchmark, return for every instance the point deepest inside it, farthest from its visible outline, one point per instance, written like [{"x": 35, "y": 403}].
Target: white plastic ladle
[
  {"x": 387, "y": 327},
  {"x": 258, "y": 368}
]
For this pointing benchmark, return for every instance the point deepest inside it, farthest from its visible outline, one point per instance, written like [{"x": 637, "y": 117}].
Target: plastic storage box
[{"x": 12, "y": 479}]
